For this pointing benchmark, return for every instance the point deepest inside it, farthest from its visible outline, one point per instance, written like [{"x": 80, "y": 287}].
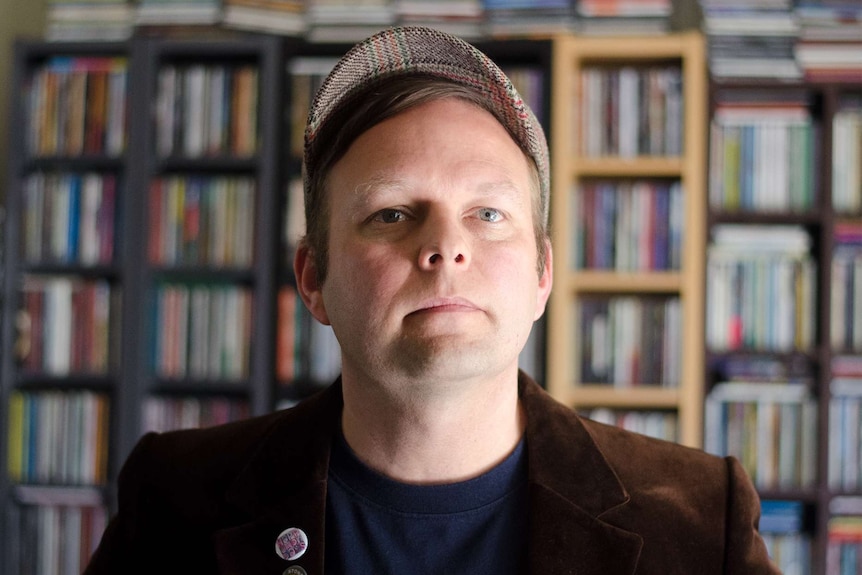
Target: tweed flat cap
[{"x": 407, "y": 50}]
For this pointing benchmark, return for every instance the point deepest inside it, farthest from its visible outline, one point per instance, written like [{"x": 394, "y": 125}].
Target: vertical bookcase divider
[
  {"x": 829, "y": 96},
  {"x": 134, "y": 257},
  {"x": 272, "y": 180},
  {"x": 11, "y": 281}
]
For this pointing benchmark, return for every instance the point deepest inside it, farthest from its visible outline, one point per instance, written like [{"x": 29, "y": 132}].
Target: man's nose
[{"x": 443, "y": 243}]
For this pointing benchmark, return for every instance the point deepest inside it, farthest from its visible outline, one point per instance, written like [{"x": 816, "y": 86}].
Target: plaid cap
[{"x": 407, "y": 50}]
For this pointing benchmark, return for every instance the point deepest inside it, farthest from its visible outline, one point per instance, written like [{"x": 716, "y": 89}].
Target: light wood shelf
[
  {"x": 571, "y": 54},
  {"x": 627, "y": 167},
  {"x": 624, "y": 282},
  {"x": 593, "y": 395}
]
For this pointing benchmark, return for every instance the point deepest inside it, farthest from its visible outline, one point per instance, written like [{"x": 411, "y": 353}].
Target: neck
[{"x": 435, "y": 438}]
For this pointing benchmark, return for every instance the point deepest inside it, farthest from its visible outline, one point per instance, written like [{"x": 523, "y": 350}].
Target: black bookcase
[
  {"x": 148, "y": 164},
  {"x": 70, "y": 146},
  {"x": 261, "y": 167},
  {"x": 818, "y": 501}
]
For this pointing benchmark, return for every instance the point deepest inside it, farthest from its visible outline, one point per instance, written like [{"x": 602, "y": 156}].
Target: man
[{"x": 427, "y": 251}]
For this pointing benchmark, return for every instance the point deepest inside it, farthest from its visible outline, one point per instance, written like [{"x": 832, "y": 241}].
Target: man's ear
[
  {"x": 546, "y": 281},
  {"x": 307, "y": 284}
]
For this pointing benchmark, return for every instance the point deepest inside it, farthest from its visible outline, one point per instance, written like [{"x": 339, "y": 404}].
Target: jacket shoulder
[
  {"x": 633, "y": 453},
  {"x": 208, "y": 459}
]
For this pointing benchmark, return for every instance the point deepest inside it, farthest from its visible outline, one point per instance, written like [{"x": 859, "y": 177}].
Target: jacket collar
[
  {"x": 571, "y": 486},
  {"x": 283, "y": 486}
]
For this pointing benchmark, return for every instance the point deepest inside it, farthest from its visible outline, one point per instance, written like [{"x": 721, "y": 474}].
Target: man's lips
[{"x": 444, "y": 305}]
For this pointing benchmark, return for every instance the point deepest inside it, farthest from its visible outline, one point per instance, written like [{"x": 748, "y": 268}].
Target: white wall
[{"x": 18, "y": 18}]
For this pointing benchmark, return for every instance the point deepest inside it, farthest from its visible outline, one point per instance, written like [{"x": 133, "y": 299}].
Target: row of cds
[{"x": 343, "y": 21}]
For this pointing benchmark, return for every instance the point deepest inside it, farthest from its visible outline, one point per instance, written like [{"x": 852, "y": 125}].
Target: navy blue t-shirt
[{"x": 380, "y": 526}]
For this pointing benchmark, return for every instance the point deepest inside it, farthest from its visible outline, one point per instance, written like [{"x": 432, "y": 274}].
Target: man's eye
[
  {"x": 490, "y": 215},
  {"x": 390, "y": 216}
]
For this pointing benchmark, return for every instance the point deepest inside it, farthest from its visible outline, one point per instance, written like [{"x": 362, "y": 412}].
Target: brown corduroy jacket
[{"x": 602, "y": 501}]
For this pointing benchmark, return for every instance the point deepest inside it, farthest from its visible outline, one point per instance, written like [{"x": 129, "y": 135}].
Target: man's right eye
[{"x": 390, "y": 216}]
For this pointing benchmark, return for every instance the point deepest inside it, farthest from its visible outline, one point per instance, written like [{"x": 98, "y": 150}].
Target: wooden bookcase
[{"x": 571, "y": 167}]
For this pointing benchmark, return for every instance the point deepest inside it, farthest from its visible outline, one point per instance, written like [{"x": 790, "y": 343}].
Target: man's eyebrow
[
  {"x": 378, "y": 182},
  {"x": 364, "y": 191},
  {"x": 502, "y": 187}
]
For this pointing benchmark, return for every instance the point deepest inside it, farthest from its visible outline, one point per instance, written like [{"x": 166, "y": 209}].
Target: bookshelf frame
[
  {"x": 149, "y": 53},
  {"x": 820, "y": 220},
  {"x": 571, "y": 55},
  {"x": 27, "y": 55}
]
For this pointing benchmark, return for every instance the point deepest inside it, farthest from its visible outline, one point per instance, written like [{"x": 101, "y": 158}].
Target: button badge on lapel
[{"x": 291, "y": 544}]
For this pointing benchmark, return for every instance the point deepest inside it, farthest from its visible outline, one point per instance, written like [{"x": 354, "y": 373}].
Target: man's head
[
  {"x": 394, "y": 71},
  {"x": 426, "y": 199}
]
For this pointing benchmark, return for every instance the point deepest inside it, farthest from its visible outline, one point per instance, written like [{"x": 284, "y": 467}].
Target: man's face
[{"x": 432, "y": 253}]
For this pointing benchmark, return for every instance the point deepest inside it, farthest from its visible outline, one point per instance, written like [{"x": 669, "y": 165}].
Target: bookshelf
[
  {"x": 599, "y": 274},
  {"x": 200, "y": 242},
  {"x": 815, "y": 209},
  {"x": 60, "y": 388},
  {"x": 90, "y": 258},
  {"x": 206, "y": 182}
]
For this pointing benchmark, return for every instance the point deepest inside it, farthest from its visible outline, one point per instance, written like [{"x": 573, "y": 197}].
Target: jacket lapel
[
  {"x": 283, "y": 486},
  {"x": 572, "y": 487}
]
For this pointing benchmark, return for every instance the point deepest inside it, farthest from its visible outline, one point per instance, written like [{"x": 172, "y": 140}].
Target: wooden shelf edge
[
  {"x": 643, "y": 397},
  {"x": 638, "y": 166},
  {"x": 627, "y": 282},
  {"x": 628, "y": 47}
]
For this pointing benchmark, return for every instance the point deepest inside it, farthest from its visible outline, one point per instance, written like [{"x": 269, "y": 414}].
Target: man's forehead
[{"x": 389, "y": 185}]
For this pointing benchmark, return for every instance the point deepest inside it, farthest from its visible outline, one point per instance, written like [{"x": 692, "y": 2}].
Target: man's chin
[{"x": 445, "y": 358}]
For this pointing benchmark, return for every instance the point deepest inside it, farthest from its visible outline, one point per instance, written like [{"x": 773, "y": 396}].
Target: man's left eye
[
  {"x": 390, "y": 216},
  {"x": 490, "y": 215}
]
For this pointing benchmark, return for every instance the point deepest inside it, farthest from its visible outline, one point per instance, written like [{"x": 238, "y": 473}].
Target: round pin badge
[
  {"x": 291, "y": 544},
  {"x": 295, "y": 570}
]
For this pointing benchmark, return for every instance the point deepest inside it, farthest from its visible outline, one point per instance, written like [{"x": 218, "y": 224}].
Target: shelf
[
  {"x": 217, "y": 164},
  {"x": 643, "y": 397},
  {"x": 71, "y": 269},
  {"x": 783, "y": 218},
  {"x": 633, "y": 49},
  {"x": 71, "y": 381},
  {"x": 201, "y": 386},
  {"x": 624, "y": 282},
  {"x": 84, "y": 496},
  {"x": 202, "y": 274},
  {"x": 86, "y": 162},
  {"x": 641, "y": 166}
]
